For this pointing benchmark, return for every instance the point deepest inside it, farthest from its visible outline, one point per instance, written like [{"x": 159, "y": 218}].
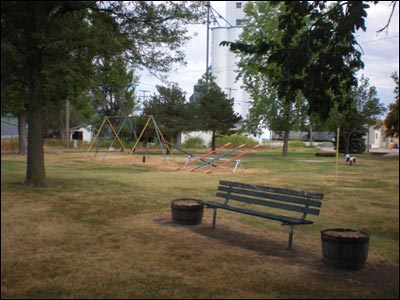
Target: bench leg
[
  {"x": 214, "y": 217},
  {"x": 290, "y": 237}
]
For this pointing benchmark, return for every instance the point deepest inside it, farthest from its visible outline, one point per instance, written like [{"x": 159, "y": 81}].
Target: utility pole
[
  {"x": 67, "y": 122},
  {"x": 144, "y": 94},
  {"x": 230, "y": 91},
  {"x": 141, "y": 105},
  {"x": 208, "y": 38}
]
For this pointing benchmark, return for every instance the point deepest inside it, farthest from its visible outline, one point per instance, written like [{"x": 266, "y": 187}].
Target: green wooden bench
[{"x": 289, "y": 207}]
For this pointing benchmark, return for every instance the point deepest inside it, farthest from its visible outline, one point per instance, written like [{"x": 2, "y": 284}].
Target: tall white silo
[{"x": 223, "y": 62}]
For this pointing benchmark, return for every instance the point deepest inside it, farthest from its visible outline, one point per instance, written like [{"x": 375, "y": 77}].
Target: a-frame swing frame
[
  {"x": 160, "y": 136},
  {"x": 106, "y": 120}
]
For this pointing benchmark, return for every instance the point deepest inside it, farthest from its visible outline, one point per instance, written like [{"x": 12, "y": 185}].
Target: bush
[
  {"x": 194, "y": 142},
  {"x": 235, "y": 140},
  {"x": 300, "y": 144}
]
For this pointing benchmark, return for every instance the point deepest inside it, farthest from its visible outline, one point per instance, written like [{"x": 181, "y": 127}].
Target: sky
[{"x": 380, "y": 54}]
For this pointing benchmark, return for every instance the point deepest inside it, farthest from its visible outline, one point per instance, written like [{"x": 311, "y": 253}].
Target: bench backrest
[{"x": 285, "y": 199}]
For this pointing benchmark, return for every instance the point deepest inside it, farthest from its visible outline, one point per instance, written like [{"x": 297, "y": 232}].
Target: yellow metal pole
[
  {"x": 116, "y": 134},
  {"x": 97, "y": 134},
  {"x": 163, "y": 140},
  {"x": 137, "y": 141},
  {"x": 337, "y": 153}
]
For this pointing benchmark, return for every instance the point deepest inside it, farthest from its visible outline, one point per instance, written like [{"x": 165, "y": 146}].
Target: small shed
[{"x": 82, "y": 133}]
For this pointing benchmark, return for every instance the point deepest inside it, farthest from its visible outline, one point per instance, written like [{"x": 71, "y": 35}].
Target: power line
[
  {"x": 219, "y": 15},
  {"x": 373, "y": 41}
]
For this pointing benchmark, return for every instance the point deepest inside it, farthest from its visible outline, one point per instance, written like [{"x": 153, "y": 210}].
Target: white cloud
[{"x": 381, "y": 52}]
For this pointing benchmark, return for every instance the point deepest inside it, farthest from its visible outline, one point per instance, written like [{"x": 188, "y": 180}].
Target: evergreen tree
[
  {"x": 353, "y": 144},
  {"x": 363, "y": 110},
  {"x": 169, "y": 109},
  {"x": 212, "y": 109}
]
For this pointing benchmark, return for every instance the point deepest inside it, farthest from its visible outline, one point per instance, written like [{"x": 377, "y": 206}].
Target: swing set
[
  {"x": 206, "y": 159},
  {"x": 127, "y": 120}
]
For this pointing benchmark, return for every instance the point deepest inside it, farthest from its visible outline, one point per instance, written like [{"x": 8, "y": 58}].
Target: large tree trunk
[
  {"x": 285, "y": 149},
  {"x": 35, "y": 172},
  {"x": 22, "y": 142}
]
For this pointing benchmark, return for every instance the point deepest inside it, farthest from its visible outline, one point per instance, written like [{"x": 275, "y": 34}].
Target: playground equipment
[
  {"x": 98, "y": 137},
  {"x": 232, "y": 159},
  {"x": 128, "y": 119},
  {"x": 217, "y": 158},
  {"x": 160, "y": 137},
  {"x": 190, "y": 159},
  {"x": 207, "y": 160},
  {"x": 165, "y": 146}
]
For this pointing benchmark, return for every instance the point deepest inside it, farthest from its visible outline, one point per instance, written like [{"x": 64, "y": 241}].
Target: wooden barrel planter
[
  {"x": 187, "y": 211},
  {"x": 344, "y": 248}
]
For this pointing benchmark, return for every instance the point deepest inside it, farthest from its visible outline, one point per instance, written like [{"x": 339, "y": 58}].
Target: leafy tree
[
  {"x": 363, "y": 109},
  {"x": 14, "y": 88},
  {"x": 392, "y": 118},
  {"x": 313, "y": 50},
  {"x": 213, "y": 110},
  {"x": 60, "y": 39},
  {"x": 268, "y": 110},
  {"x": 169, "y": 109},
  {"x": 113, "y": 94},
  {"x": 280, "y": 116}
]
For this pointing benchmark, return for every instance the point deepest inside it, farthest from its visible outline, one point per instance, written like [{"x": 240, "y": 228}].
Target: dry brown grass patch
[{"x": 104, "y": 230}]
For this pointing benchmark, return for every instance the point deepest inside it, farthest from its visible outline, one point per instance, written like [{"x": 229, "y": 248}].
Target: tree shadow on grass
[
  {"x": 262, "y": 242},
  {"x": 377, "y": 277}
]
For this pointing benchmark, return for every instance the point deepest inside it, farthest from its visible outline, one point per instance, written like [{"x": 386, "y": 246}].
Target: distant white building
[
  {"x": 223, "y": 62},
  {"x": 375, "y": 137},
  {"x": 82, "y": 133}
]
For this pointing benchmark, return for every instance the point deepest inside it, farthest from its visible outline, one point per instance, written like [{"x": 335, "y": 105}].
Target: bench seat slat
[
  {"x": 301, "y": 209},
  {"x": 311, "y": 195},
  {"x": 262, "y": 194},
  {"x": 283, "y": 219}
]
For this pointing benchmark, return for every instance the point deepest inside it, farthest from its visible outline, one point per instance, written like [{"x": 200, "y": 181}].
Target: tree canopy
[
  {"x": 211, "y": 108},
  {"x": 392, "y": 118},
  {"x": 363, "y": 110},
  {"x": 261, "y": 79},
  {"x": 313, "y": 51},
  {"x": 50, "y": 47},
  {"x": 169, "y": 109},
  {"x": 113, "y": 93}
]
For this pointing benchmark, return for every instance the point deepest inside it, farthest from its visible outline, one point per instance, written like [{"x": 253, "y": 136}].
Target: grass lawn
[{"x": 103, "y": 229}]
